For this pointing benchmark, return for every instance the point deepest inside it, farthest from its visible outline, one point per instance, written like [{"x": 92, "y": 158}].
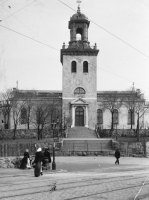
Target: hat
[
  {"x": 39, "y": 149},
  {"x": 26, "y": 150}
]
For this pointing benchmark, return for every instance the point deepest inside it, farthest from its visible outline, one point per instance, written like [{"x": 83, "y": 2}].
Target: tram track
[
  {"x": 94, "y": 182},
  {"x": 82, "y": 180}
]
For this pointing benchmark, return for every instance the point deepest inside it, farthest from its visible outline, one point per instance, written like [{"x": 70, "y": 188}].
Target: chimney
[{"x": 138, "y": 91}]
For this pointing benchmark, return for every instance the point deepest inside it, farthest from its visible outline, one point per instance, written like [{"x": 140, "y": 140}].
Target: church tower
[{"x": 79, "y": 81}]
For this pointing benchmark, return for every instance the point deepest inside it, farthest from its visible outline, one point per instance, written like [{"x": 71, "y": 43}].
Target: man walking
[{"x": 117, "y": 156}]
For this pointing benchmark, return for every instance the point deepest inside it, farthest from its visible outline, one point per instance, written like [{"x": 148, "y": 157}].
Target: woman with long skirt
[
  {"x": 25, "y": 163},
  {"x": 39, "y": 157}
]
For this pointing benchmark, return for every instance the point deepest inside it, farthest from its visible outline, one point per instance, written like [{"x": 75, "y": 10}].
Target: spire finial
[
  {"x": 133, "y": 86},
  {"x": 78, "y": 1},
  {"x": 17, "y": 85}
]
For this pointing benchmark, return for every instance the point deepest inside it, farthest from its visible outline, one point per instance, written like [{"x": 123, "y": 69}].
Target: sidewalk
[
  {"x": 80, "y": 164},
  {"x": 80, "y": 178}
]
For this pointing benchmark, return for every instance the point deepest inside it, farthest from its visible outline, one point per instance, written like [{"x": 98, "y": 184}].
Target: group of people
[{"x": 42, "y": 160}]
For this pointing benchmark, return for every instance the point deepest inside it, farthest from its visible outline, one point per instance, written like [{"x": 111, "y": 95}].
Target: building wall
[
  {"x": 123, "y": 118},
  {"x": 146, "y": 119},
  {"x": 53, "y": 99},
  {"x": 87, "y": 81}
]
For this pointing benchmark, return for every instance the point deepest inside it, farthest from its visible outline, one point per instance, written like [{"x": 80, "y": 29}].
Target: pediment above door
[{"x": 79, "y": 101}]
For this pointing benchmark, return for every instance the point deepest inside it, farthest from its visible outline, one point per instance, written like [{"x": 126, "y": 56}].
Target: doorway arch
[{"x": 79, "y": 116}]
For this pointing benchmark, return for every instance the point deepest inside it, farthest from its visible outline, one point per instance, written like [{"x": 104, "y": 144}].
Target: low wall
[
  {"x": 47, "y": 133},
  {"x": 132, "y": 149},
  {"x": 18, "y": 149},
  {"x": 122, "y": 132},
  {"x": 27, "y": 134}
]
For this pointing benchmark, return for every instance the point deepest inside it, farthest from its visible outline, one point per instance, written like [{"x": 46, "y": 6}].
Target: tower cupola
[
  {"x": 78, "y": 25},
  {"x": 78, "y": 44}
]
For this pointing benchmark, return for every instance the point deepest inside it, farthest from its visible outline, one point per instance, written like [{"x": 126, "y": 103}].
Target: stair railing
[{"x": 96, "y": 131}]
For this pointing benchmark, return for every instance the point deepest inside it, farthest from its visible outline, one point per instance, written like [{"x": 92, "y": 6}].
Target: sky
[{"x": 32, "y": 33}]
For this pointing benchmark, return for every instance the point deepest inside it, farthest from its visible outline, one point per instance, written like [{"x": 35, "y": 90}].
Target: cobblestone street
[{"x": 103, "y": 182}]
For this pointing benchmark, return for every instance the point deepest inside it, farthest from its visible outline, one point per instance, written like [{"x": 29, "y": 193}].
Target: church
[{"x": 79, "y": 99}]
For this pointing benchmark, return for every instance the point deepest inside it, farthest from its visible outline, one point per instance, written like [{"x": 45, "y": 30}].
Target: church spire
[
  {"x": 133, "y": 86},
  {"x": 78, "y": 11}
]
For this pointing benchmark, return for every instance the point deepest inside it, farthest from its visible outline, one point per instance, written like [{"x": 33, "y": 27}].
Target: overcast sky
[{"x": 121, "y": 33}]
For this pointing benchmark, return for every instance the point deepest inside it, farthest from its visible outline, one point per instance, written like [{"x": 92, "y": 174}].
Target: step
[
  {"x": 81, "y": 132},
  {"x": 85, "y": 144}
]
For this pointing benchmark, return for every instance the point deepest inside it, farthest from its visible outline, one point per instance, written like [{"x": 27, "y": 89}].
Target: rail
[
  {"x": 91, "y": 47},
  {"x": 73, "y": 147}
]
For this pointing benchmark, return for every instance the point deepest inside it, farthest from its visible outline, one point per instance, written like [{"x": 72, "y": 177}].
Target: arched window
[
  {"x": 115, "y": 116},
  {"x": 99, "y": 116},
  {"x": 85, "y": 67},
  {"x": 131, "y": 116},
  {"x": 73, "y": 67},
  {"x": 79, "y": 92},
  {"x": 79, "y": 32},
  {"x": 23, "y": 119},
  {"x": 55, "y": 115}
]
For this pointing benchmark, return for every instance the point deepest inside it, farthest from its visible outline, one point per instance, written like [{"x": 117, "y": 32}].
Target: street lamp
[
  {"x": 53, "y": 163},
  {"x": 138, "y": 127}
]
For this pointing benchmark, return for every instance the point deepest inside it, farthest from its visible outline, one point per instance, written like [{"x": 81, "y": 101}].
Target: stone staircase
[
  {"x": 80, "y": 139},
  {"x": 81, "y": 132},
  {"x": 87, "y": 144}
]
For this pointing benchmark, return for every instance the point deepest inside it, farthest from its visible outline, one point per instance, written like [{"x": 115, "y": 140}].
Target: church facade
[{"x": 79, "y": 99}]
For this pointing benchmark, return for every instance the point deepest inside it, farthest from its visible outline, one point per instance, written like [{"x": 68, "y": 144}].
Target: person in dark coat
[
  {"x": 117, "y": 156},
  {"x": 25, "y": 160},
  {"x": 39, "y": 158},
  {"x": 47, "y": 159}
]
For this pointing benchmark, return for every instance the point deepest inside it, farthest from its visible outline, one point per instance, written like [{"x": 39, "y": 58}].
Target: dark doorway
[{"x": 79, "y": 116}]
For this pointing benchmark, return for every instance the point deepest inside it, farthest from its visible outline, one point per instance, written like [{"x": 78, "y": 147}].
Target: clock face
[{"x": 79, "y": 45}]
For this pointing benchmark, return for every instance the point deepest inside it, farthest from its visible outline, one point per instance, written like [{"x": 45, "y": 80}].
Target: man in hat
[
  {"x": 47, "y": 159},
  {"x": 117, "y": 156}
]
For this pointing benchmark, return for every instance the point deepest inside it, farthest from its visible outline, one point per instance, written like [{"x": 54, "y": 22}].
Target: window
[
  {"x": 99, "y": 116},
  {"x": 115, "y": 116},
  {"x": 73, "y": 67},
  {"x": 55, "y": 115},
  {"x": 131, "y": 116},
  {"x": 79, "y": 92},
  {"x": 85, "y": 67},
  {"x": 23, "y": 119}
]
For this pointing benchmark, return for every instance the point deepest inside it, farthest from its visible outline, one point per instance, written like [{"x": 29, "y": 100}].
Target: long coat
[
  {"x": 39, "y": 157},
  {"x": 47, "y": 155},
  {"x": 24, "y": 160},
  {"x": 117, "y": 154}
]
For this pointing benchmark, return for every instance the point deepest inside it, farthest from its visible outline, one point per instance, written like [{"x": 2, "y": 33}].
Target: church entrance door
[{"x": 79, "y": 116}]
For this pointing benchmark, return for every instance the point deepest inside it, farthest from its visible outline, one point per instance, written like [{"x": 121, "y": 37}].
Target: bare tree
[
  {"x": 135, "y": 103},
  {"x": 29, "y": 99},
  {"x": 42, "y": 113},
  {"x": 6, "y": 106},
  {"x": 112, "y": 101},
  {"x": 139, "y": 110},
  {"x": 17, "y": 105}
]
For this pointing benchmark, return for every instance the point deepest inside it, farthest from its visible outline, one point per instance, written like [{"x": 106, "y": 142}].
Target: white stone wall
[
  {"x": 88, "y": 81},
  {"x": 146, "y": 119},
  {"x": 123, "y": 118}
]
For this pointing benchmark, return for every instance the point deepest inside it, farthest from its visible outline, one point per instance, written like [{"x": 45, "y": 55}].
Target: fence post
[
  {"x": 87, "y": 147},
  {"x": 127, "y": 149},
  {"x": 73, "y": 148},
  {"x": 2, "y": 150}
]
